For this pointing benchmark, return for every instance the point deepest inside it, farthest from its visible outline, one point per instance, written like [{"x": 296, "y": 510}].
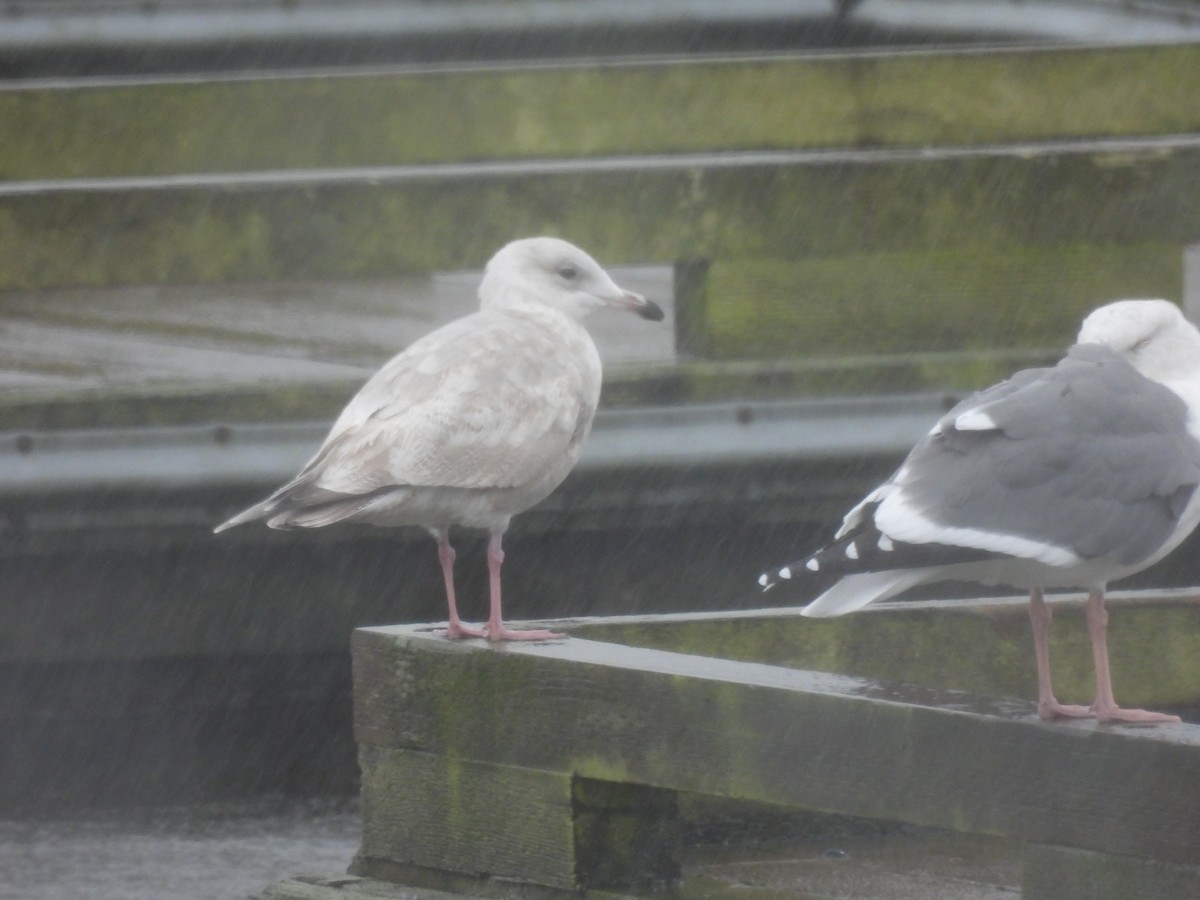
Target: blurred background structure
[{"x": 216, "y": 218}]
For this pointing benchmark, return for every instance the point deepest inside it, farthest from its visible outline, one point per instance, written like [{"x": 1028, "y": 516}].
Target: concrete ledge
[
  {"x": 742, "y": 730},
  {"x": 366, "y": 223},
  {"x": 350, "y": 887},
  {"x": 980, "y": 646},
  {"x": 922, "y": 301},
  {"x": 588, "y": 109}
]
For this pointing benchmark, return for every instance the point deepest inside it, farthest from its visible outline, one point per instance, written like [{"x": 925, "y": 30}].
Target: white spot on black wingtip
[
  {"x": 785, "y": 573},
  {"x": 764, "y": 580},
  {"x": 885, "y": 543},
  {"x": 975, "y": 420},
  {"x": 813, "y": 565},
  {"x": 852, "y": 550}
]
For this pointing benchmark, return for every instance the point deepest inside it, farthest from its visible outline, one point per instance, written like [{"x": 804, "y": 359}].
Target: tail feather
[
  {"x": 856, "y": 591},
  {"x": 300, "y": 503},
  {"x": 257, "y": 511},
  {"x": 317, "y": 516},
  {"x": 869, "y": 566}
]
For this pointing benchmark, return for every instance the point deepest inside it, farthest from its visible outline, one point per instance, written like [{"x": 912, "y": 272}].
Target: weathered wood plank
[
  {"x": 797, "y": 738},
  {"x": 375, "y": 223},
  {"x": 582, "y": 109}
]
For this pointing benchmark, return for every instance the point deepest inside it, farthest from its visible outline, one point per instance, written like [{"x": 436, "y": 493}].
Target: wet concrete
[
  {"x": 906, "y": 865},
  {"x": 228, "y": 851},
  {"x": 66, "y": 342},
  {"x": 206, "y": 852}
]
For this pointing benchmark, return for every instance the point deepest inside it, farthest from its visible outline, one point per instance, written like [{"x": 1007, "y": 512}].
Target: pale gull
[
  {"x": 1072, "y": 476},
  {"x": 473, "y": 423}
]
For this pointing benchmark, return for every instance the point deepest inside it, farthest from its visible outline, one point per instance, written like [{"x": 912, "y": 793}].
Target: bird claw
[
  {"x": 1114, "y": 715},
  {"x": 1055, "y": 710}
]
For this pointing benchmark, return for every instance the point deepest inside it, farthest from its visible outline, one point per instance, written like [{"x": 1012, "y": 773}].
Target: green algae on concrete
[
  {"x": 895, "y": 302},
  {"x": 954, "y": 372},
  {"x": 363, "y": 225},
  {"x": 689, "y": 382},
  {"x": 175, "y": 405},
  {"x": 1066, "y": 873},
  {"x": 595, "y": 109},
  {"x": 353, "y": 228},
  {"x": 982, "y": 647},
  {"x": 438, "y": 812},
  {"x": 797, "y": 738},
  {"x": 625, "y": 834}
]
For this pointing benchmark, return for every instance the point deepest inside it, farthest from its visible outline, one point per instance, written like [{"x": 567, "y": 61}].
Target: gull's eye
[{"x": 568, "y": 272}]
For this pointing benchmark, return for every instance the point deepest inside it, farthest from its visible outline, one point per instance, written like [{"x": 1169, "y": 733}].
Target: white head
[
  {"x": 1152, "y": 334},
  {"x": 549, "y": 272}
]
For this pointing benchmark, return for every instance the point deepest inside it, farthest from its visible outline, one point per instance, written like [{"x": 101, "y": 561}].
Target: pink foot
[
  {"x": 496, "y": 629},
  {"x": 1133, "y": 716},
  {"x": 456, "y": 631},
  {"x": 504, "y": 633},
  {"x": 1054, "y": 710}
]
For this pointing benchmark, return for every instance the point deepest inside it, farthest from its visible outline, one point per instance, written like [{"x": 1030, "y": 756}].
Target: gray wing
[
  {"x": 487, "y": 402},
  {"x": 1089, "y": 456}
]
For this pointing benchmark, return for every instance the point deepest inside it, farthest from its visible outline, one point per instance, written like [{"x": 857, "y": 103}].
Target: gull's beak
[{"x": 647, "y": 309}]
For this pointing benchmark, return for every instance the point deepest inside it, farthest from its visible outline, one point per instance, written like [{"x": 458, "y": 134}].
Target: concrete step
[
  {"x": 443, "y": 114},
  {"x": 380, "y": 223}
]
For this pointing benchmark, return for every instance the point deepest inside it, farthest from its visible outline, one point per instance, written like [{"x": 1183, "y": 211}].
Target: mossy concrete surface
[
  {"x": 507, "y": 822},
  {"x": 751, "y": 731},
  {"x": 1060, "y": 873},
  {"x": 912, "y": 864},
  {"x": 980, "y": 646},
  {"x": 790, "y": 207},
  {"x": 577, "y": 110},
  {"x": 921, "y": 302},
  {"x": 135, "y": 407},
  {"x": 693, "y": 381},
  {"x": 120, "y": 356},
  {"x": 879, "y": 244}
]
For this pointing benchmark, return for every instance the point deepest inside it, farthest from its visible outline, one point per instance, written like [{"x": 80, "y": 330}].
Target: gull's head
[
  {"x": 554, "y": 273},
  {"x": 1152, "y": 334}
]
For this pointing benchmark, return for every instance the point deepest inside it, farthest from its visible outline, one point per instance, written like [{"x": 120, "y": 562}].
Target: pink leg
[
  {"x": 496, "y": 629},
  {"x": 1105, "y": 705},
  {"x": 456, "y": 630},
  {"x": 1048, "y": 706}
]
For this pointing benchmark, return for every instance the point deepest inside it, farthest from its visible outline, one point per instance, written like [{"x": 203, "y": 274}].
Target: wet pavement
[
  {"x": 230, "y": 852},
  {"x": 911, "y": 864},
  {"x": 205, "y": 852}
]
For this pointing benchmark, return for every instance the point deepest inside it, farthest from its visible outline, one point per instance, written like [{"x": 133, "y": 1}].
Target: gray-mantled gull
[
  {"x": 473, "y": 423},
  {"x": 1072, "y": 476}
]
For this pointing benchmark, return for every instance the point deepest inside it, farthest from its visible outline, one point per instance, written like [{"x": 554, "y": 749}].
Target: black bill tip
[{"x": 651, "y": 311}]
